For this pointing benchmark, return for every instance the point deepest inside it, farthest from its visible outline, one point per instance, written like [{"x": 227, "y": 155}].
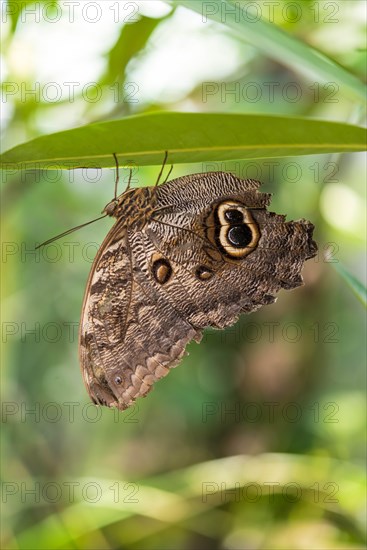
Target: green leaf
[
  {"x": 357, "y": 287},
  {"x": 182, "y": 495},
  {"x": 14, "y": 9},
  {"x": 188, "y": 137},
  {"x": 132, "y": 39},
  {"x": 276, "y": 43}
]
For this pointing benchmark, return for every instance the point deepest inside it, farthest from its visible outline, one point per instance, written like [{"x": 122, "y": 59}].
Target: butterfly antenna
[
  {"x": 128, "y": 183},
  {"x": 117, "y": 175},
  {"x": 162, "y": 168},
  {"x": 168, "y": 175},
  {"x": 68, "y": 232}
]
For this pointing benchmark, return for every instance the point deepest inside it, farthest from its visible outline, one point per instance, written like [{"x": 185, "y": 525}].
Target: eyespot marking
[
  {"x": 233, "y": 229},
  {"x": 161, "y": 270},
  {"x": 239, "y": 236},
  {"x": 204, "y": 273},
  {"x": 233, "y": 216}
]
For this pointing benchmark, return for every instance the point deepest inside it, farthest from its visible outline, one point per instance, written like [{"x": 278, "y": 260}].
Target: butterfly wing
[
  {"x": 235, "y": 284},
  {"x": 153, "y": 289},
  {"x": 129, "y": 335}
]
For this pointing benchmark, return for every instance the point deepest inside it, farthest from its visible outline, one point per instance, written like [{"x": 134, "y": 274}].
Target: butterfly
[{"x": 194, "y": 252}]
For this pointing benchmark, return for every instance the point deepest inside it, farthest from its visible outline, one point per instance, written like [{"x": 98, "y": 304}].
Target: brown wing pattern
[
  {"x": 130, "y": 334},
  {"x": 135, "y": 325}
]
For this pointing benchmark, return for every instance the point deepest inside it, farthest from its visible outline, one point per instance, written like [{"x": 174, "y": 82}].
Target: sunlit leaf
[
  {"x": 14, "y": 9},
  {"x": 276, "y": 43},
  {"x": 188, "y": 137},
  {"x": 195, "y": 490},
  {"x": 132, "y": 39}
]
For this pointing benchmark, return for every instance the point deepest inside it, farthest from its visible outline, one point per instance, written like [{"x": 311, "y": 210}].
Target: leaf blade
[
  {"x": 188, "y": 137},
  {"x": 278, "y": 44},
  {"x": 358, "y": 289}
]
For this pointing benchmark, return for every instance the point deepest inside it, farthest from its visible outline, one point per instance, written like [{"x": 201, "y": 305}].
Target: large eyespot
[
  {"x": 162, "y": 270},
  {"x": 239, "y": 236},
  {"x": 235, "y": 231},
  {"x": 233, "y": 216}
]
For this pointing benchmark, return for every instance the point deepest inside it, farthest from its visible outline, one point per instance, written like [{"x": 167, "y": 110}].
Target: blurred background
[{"x": 257, "y": 440}]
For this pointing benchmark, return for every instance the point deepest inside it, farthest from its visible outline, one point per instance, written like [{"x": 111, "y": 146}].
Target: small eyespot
[
  {"x": 118, "y": 380},
  {"x": 239, "y": 236},
  {"x": 233, "y": 216},
  {"x": 204, "y": 273},
  {"x": 162, "y": 270}
]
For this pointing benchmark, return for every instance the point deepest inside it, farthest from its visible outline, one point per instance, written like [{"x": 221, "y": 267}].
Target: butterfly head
[
  {"x": 110, "y": 208},
  {"x": 113, "y": 208},
  {"x": 134, "y": 205}
]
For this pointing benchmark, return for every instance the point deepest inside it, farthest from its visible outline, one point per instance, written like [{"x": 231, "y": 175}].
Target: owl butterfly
[{"x": 194, "y": 252}]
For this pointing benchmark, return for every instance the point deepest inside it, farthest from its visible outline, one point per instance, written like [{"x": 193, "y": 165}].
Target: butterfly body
[
  {"x": 134, "y": 206},
  {"x": 194, "y": 252}
]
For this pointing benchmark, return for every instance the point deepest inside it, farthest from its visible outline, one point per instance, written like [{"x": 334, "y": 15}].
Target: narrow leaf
[
  {"x": 188, "y": 137},
  {"x": 14, "y": 9},
  {"x": 276, "y": 43},
  {"x": 357, "y": 287},
  {"x": 132, "y": 40}
]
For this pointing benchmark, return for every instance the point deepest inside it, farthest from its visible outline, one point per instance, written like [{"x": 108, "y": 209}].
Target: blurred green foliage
[{"x": 257, "y": 440}]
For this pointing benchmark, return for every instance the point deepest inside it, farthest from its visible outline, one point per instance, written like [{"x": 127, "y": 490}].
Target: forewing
[{"x": 235, "y": 287}]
